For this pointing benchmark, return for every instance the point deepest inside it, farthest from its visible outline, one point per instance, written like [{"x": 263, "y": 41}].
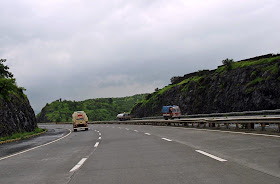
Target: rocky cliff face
[
  {"x": 248, "y": 85},
  {"x": 16, "y": 115}
]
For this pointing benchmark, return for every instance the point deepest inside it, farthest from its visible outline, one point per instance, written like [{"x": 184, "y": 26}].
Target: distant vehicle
[
  {"x": 80, "y": 121},
  {"x": 123, "y": 116},
  {"x": 171, "y": 112}
]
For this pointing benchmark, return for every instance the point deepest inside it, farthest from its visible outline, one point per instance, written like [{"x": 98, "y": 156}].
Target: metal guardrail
[
  {"x": 243, "y": 113},
  {"x": 248, "y": 122}
]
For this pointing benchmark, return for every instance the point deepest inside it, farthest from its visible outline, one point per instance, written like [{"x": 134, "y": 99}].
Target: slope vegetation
[
  {"x": 96, "y": 109},
  {"x": 16, "y": 114},
  {"x": 247, "y": 85}
]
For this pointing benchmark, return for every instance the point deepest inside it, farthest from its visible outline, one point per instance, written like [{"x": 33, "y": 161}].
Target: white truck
[
  {"x": 80, "y": 121},
  {"x": 123, "y": 116}
]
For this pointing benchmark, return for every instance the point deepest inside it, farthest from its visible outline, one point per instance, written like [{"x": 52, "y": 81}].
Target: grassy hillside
[
  {"x": 96, "y": 109},
  {"x": 251, "y": 84}
]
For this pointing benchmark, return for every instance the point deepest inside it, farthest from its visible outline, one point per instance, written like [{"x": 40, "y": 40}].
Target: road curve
[{"x": 141, "y": 154}]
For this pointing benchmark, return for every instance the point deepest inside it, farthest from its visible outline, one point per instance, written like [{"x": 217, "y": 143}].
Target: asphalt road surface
[{"x": 132, "y": 154}]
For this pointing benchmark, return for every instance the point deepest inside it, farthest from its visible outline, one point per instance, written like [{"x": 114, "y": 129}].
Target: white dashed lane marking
[
  {"x": 166, "y": 139},
  {"x": 211, "y": 156},
  {"x": 79, "y": 164},
  {"x": 96, "y": 144},
  {"x": 147, "y": 134},
  {"x": 135, "y": 130}
]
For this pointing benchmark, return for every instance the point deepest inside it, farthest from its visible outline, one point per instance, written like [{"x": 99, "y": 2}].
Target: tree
[
  {"x": 7, "y": 85},
  {"x": 174, "y": 79},
  {"x": 228, "y": 63},
  {"x": 4, "y": 70},
  {"x": 7, "y": 82}
]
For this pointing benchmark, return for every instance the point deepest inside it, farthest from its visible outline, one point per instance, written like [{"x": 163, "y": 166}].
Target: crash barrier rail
[
  {"x": 243, "y": 113},
  {"x": 247, "y": 123}
]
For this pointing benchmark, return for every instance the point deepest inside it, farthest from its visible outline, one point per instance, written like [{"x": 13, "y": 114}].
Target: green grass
[
  {"x": 242, "y": 64},
  {"x": 194, "y": 79},
  {"x": 274, "y": 69},
  {"x": 253, "y": 74},
  {"x": 22, "y": 135},
  {"x": 255, "y": 81},
  {"x": 163, "y": 90}
]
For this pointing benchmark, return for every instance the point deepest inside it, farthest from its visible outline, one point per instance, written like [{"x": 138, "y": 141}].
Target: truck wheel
[
  {"x": 165, "y": 118},
  {"x": 75, "y": 130},
  {"x": 86, "y": 129}
]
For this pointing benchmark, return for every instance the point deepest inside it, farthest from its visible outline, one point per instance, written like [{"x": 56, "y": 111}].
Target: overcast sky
[{"x": 81, "y": 49}]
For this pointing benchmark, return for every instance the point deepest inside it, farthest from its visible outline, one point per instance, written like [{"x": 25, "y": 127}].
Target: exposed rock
[
  {"x": 247, "y": 88},
  {"x": 16, "y": 115}
]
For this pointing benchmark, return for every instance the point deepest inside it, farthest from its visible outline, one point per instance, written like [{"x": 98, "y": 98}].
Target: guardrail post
[
  {"x": 252, "y": 125},
  {"x": 237, "y": 126},
  {"x": 192, "y": 124},
  {"x": 204, "y": 125},
  {"x": 198, "y": 125},
  {"x": 227, "y": 125},
  {"x": 219, "y": 126},
  {"x": 263, "y": 126},
  {"x": 249, "y": 126},
  {"x": 278, "y": 127}
]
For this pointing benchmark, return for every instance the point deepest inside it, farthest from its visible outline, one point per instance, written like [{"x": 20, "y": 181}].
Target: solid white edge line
[
  {"x": 225, "y": 131},
  {"x": 79, "y": 164},
  {"x": 147, "y": 134},
  {"x": 96, "y": 144},
  {"x": 211, "y": 156},
  {"x": 36, "y": 147},
  {"x": 166, "y": 139}
]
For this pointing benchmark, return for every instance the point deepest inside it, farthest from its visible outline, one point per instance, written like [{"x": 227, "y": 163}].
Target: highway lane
[
  {"x": 255, "y": 151},
  {"x": 147, "y": 154},
  {"x": 50, "y": 163},
  {"x": 15, "y": 147}
]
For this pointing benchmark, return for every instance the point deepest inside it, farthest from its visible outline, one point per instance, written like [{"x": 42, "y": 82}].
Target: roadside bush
[{"x": 228, "y": 63}]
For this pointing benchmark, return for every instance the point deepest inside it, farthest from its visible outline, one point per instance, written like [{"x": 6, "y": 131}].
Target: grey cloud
[{"x": 120, "y": 48}]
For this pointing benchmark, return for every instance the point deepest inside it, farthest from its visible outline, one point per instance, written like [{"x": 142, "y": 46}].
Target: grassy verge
[{"x": 24, "y": 135}]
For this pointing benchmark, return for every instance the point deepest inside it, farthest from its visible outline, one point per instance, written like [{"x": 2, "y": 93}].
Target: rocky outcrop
[
  {"x": 16, "y": 115},
  {"x": 248, "y": 85}
]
